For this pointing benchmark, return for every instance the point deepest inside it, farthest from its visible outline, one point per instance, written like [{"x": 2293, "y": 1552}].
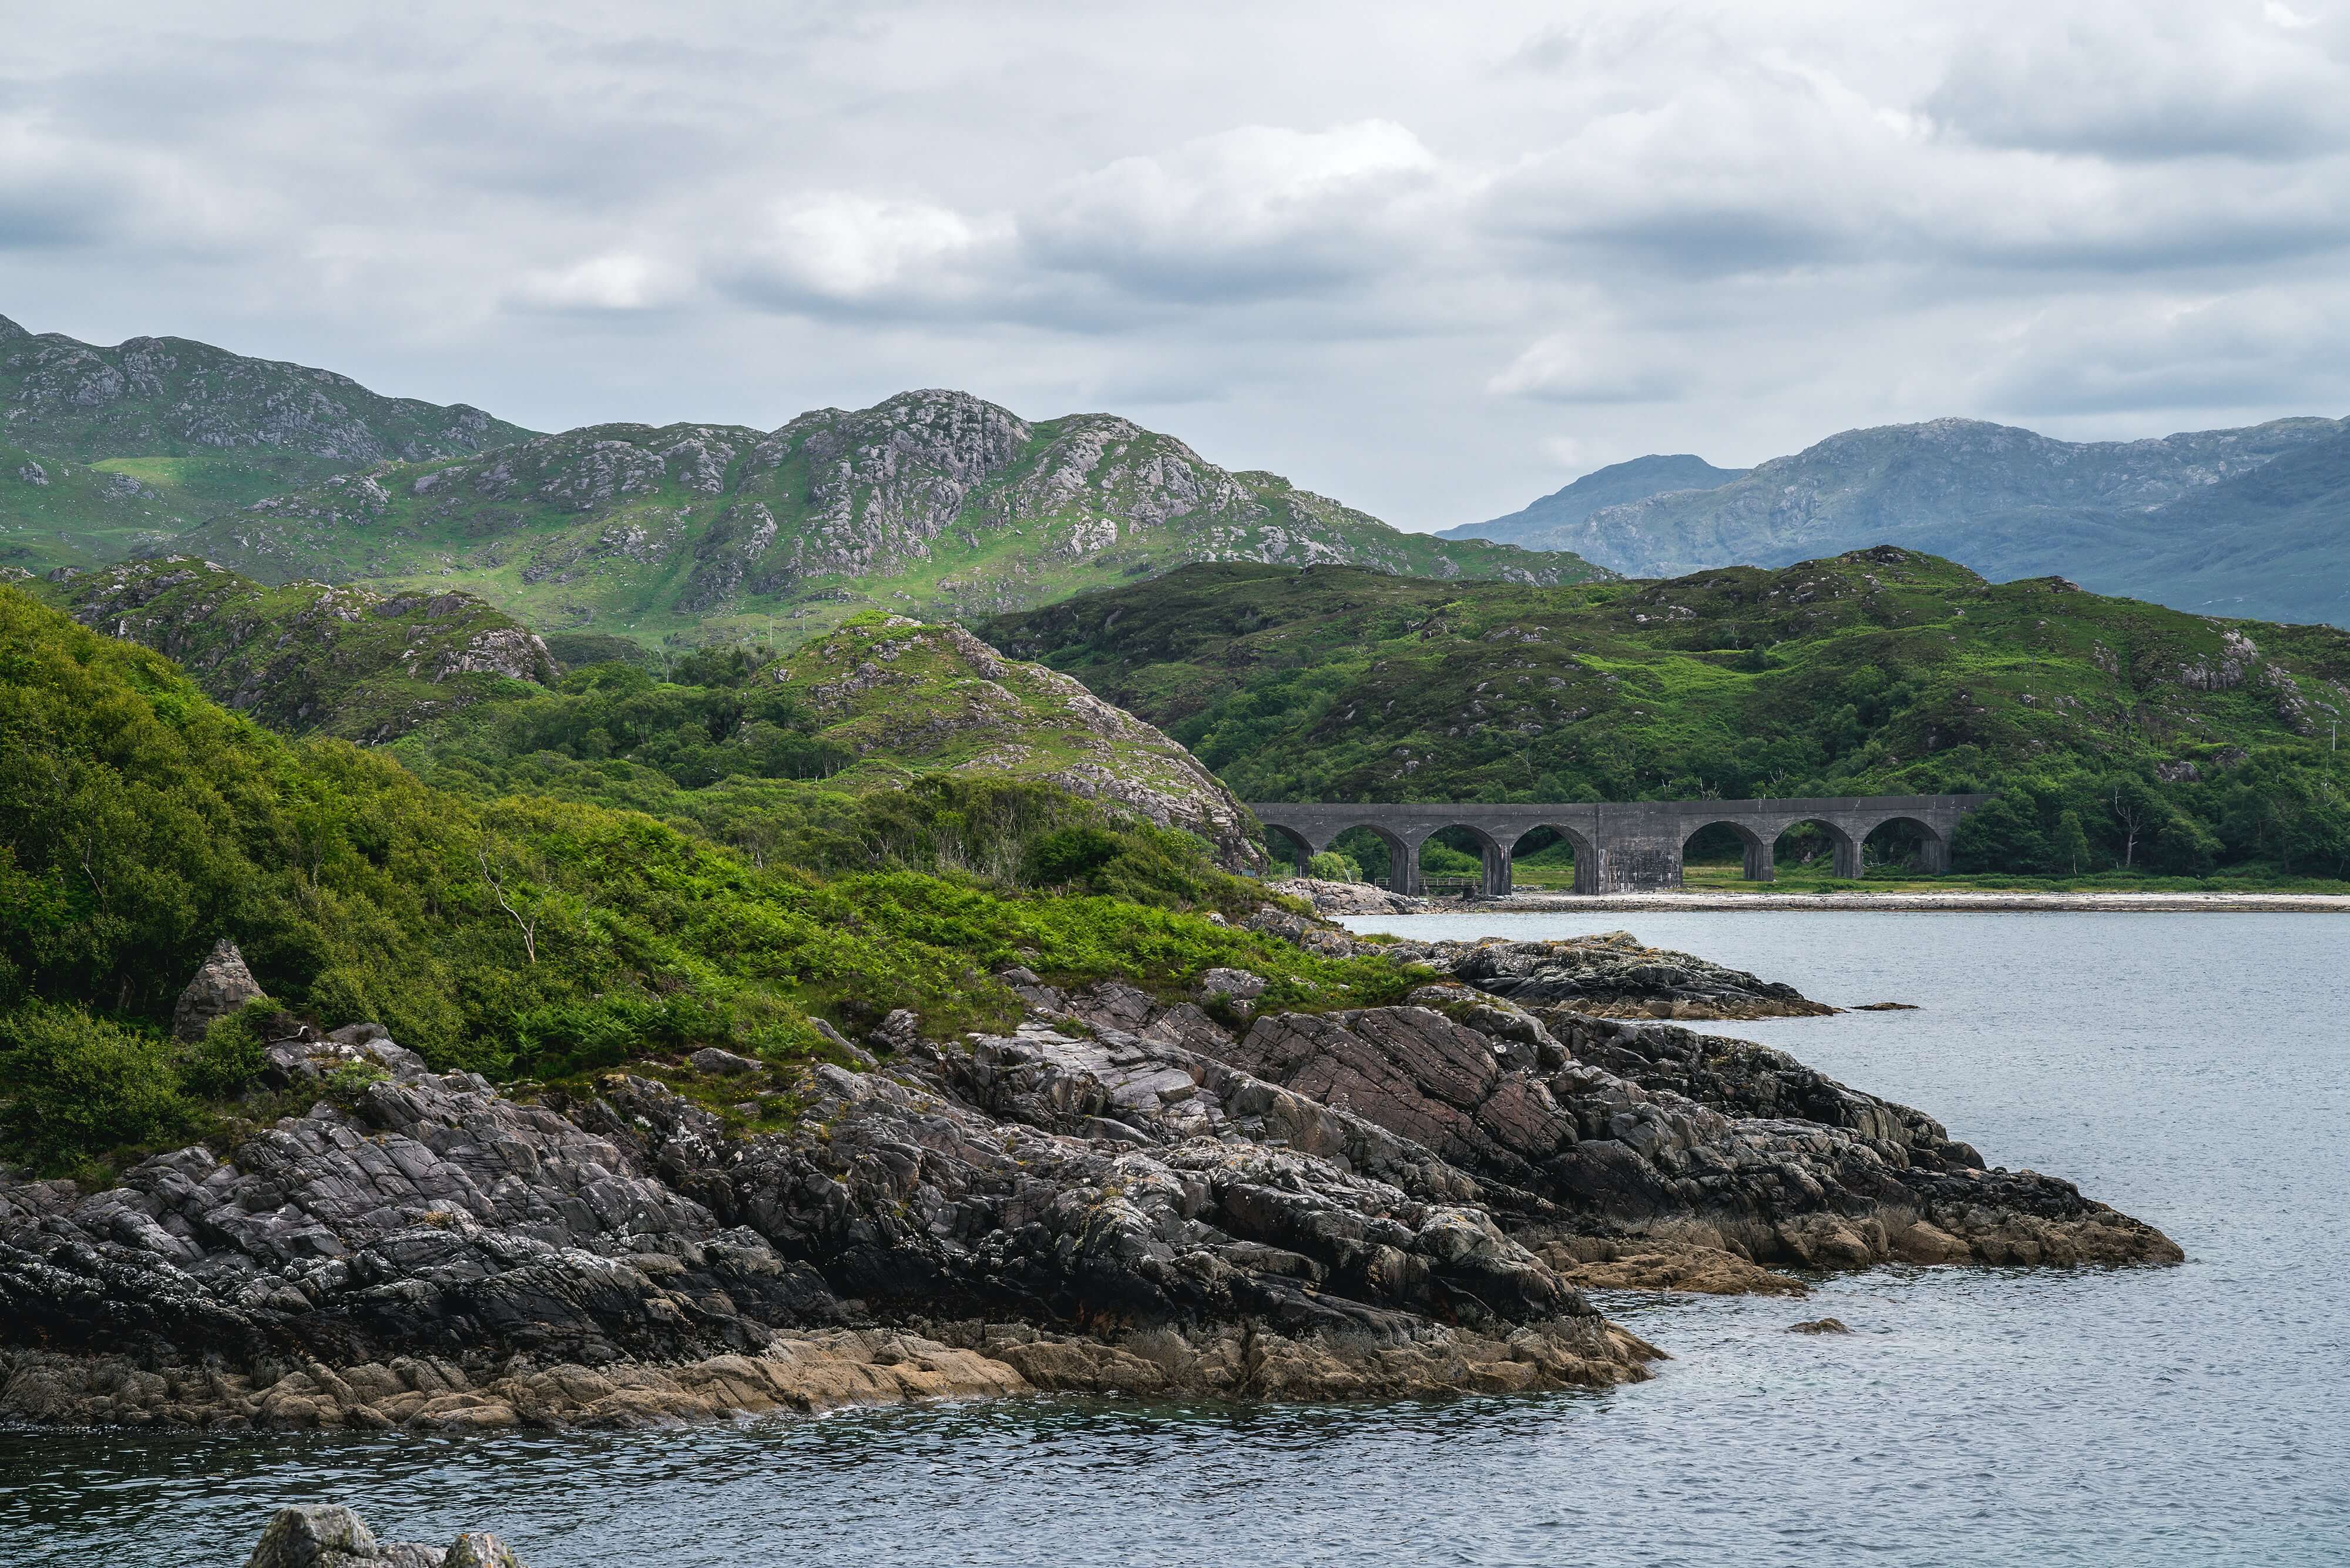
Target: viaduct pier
[{"x": 1623, "y": 846}]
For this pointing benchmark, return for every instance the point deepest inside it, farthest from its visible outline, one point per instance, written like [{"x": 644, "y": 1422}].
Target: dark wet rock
[
  {"x": 1819, "y": 1326},
  {"x": 429, "y": 1252},
  {"x": 220, "y": 987},
  {"x": 1651, "y": 1130},
  {"x": 1614, "y": 974}
]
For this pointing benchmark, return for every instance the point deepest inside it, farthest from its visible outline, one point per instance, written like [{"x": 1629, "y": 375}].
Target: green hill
[
  {"x": 935, "y": 503},
  {"x": 759, "y": 755},
  {"x": 727, "y": 742},
  {"x": 1880, "y": 672},
  {"x": 57, "y": 511},
  {"x": 177, "y": 430},
  {"x": 515, "y": 934},
  {"x": 306, "y": 659}
]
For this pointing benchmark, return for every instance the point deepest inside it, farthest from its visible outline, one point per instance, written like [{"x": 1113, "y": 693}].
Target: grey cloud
[
  {"x": 2140, "y": 85},
  {"x": 50, "y": 215}
]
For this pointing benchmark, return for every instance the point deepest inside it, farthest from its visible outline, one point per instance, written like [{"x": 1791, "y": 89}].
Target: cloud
[
  {"x": 618, "y": 282},
  {"x": 844, "y": 248},
  {"x": 1568, "y": 368},
  {"x": 2084, "y": 355},
  {"x": 1250, "y": 213},
  {"x": 2133, "y": 84}
]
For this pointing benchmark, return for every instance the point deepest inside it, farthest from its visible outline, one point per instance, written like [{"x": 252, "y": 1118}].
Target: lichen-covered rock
[
  {"x": 479, "y": 1548},
  {"x": 334, "y": 1537},
  {"x": 221, "y": 986},
  {"x": 321, "y": 1537}
]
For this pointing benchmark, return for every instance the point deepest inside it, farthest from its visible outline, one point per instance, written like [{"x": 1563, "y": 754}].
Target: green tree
[
  {"x": 1333, "y": 866},
  {"x": 2069, "y": 847}
]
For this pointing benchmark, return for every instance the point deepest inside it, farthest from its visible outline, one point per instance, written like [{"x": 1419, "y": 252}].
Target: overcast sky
[{"x": 1432, "y": 260}]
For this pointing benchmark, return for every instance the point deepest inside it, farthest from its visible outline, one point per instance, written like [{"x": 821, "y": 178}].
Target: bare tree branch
[{"x": 498, "y": 891}]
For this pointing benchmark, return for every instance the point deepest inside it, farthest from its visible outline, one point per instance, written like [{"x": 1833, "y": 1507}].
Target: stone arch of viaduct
[{"x": 1624, "y": 846}]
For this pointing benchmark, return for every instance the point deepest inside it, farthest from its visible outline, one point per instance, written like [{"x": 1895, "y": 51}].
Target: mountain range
[
  {"x": 102, "y": 448},
  {"x": 935, "y": 502},
  {"x": 1611, "y": 486},
  {"x": 2251, "y": 522}
]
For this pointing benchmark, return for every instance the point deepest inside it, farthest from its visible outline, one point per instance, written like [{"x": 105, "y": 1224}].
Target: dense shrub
[
  {"x": 517, "y": 934},
  {"x": 76, "y": 1085},
  {"x": 1331, "y": 867}
]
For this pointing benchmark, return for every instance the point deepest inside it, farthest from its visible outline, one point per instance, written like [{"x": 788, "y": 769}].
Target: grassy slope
[
  {"x": 1880, "y": 672},
  {"x": 933, "y": 504},
  {"x": 303, "y": 657},
  {"x": 760, "y": 756}
]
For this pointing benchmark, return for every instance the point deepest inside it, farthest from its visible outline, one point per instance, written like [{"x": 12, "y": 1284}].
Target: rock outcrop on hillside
[
  {"x": 907, "y": 694},
  {"x": 307, "y": 657},
  {"x": 169, "y": 395},
  {"x": 934, "y": 500},
  {"x": 1123, "y": 1194}
]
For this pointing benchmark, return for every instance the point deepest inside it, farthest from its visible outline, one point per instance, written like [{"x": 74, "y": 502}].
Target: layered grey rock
[
  {"x": 220, "y": 987},
  {"x": 1378, "y": 1201}
]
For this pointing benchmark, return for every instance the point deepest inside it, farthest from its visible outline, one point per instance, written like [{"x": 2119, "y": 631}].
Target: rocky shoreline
[{"x": 1123, "y": 1195}]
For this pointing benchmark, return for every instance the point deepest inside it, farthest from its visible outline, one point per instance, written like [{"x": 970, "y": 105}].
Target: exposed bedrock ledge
[{"x": 1120, "y": 1195}]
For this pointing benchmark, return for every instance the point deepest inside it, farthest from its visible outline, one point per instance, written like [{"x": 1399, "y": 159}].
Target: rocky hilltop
[
  {"x": 902, "y": 697},
  {"x": 306, "y": 658},
  {"x": 2158, "y": 518},
  {"x": 172, "y": 431},
  {"x": 1119, "y": 1194},
  {"x": 934, "y": 500}
]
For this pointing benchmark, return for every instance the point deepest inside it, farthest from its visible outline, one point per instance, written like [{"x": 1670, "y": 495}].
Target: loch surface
[{"x": 2189, "y": 1069}]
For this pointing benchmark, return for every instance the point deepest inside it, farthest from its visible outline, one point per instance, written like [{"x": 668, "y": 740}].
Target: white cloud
[
  {"x": 1571, "y": 368},
  {"x": 621, "y": 281},
  {"x": 2083, "y": 355},
  {"x": 845, "y": 245},
  {"x": 1256, "y": 210}
]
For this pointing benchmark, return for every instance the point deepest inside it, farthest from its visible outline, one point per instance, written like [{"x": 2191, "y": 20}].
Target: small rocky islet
[{"x": 1123, "y": 1194}]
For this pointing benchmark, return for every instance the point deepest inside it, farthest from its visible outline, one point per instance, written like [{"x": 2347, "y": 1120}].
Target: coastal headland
[{"x": 1200, "y": 1199}]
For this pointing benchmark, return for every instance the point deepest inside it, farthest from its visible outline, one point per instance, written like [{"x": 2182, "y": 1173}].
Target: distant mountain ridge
[
  {"x": 2181, "y": 519},
  {"x": 162, "y": 431},
  {"x": 1611, "y": 486},
  {"x": 935, "y": 502}
]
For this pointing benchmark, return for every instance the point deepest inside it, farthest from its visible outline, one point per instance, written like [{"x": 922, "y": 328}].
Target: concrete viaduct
[{"x": 1622, "y": 847}]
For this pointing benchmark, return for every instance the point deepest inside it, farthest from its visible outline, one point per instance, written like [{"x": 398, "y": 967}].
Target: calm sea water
[{"x": 2193, "y": 1069}]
